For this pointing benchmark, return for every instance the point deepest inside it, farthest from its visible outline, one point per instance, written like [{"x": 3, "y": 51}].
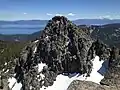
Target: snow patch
[
  {"x": 62, "y": 82},
  {"x": 35, "y": 49},
  {"x": 3, "y": 70},
  {"x": 67, "y": 43},
  {"x": 40, "y": 66},
  {"x": 36, "y": 41},
  {"x": 5, "y": 64},
  {"x": 42, "y": 76},
  {"x": 46, "y": 37},
  {"x": 117, "y": 30},
  {"x": 95, "y": 76},
  {"x": 91, "y": 30},
  {"x": 30, "y": 87},
  {"x": 7, "y": 71},
  {"x": 13, "y": 85},
  {"x": 2, "y": 51}
]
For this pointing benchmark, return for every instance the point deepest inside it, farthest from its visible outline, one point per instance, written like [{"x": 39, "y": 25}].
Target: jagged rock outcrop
[
  {"x": 63, "y": 42},
  {"x": 112, "y": 77},
  {"x": 64, "y": 48}
]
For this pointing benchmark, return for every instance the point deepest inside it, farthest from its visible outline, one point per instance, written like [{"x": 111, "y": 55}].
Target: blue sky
[{"x": 46, "y": 9}]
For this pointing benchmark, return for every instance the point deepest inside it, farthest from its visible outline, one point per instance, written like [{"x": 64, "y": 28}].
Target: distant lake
[{"x": 20, "y": 29}]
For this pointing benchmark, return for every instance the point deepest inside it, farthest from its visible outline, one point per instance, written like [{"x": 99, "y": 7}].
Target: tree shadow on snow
[
  {"x": 70, "y": 75},
  {"x": 104, "y": 68}
]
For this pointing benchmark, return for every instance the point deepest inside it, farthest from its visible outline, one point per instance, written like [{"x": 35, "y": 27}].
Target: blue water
[{"x": 19, "y": 30}]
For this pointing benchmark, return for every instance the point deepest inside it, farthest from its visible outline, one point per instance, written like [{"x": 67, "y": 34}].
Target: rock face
[
  {"x": 112, "y": 77},
  {"x": 87, "y": 85},
  {"x": 107, "y": 33},
  {"x": 64, "y": 48},
  {"x": 62, "y": 44}
]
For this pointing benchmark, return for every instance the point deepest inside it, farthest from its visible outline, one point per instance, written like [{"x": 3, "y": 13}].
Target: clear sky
[{"x": 46, "y": 9}]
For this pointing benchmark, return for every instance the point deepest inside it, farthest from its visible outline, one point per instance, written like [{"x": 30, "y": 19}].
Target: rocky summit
[{"x": 62, "y": 48}]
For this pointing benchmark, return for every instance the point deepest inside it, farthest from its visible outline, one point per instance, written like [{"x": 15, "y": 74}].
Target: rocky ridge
[
  {"x": 63, "y": 48},
  {"x": 111, "y": 80},
  {"x": 112, "y": 76}
]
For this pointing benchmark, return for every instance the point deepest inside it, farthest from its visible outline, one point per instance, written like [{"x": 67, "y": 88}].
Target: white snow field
[
  {"x": 62, "y": 82},
  {"x": 13, "y": 84},
  {"x": 35, "y": 50},
  {"x": 36, "y": 41},
  {"x": 40, "y": 66}
]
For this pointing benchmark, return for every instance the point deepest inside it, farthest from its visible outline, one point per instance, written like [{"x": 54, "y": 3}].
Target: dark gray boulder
[{"x": 88, "y": 85}]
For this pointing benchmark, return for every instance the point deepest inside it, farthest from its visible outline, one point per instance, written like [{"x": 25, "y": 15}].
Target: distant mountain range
[
  {"x": 24, "y": 22},
  {"x": 96, "y": 21},
  {"x": 44, "y": 22},
  {"x": 31, "y": 26},
  {"x": 109, "y": 34},
  {"x": 105, "y": 29}
]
